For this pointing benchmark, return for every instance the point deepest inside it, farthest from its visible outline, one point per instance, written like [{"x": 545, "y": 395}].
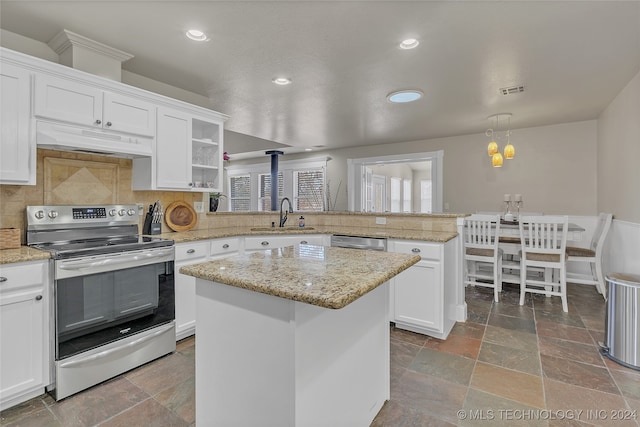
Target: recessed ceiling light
[
  {"x": 196, "y": 35},
  {"x": 281, "y": 81},
  {"x": 409, "y": 44},
  {"x": 403, "y": 96},
  {"x": 308, "y": 149}
]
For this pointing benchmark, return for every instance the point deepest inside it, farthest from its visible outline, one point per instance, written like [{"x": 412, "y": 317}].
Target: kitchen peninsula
[{"x": 295, "y": 336}]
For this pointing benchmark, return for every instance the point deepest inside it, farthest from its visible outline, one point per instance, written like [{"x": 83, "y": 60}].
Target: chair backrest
[
  {"x": 544, "y": 234},
  {"x": 602, "y": 229},
  {"x": 481, "y": 231}
]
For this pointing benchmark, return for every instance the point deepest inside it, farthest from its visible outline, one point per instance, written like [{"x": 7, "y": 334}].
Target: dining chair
[
  {"x": 510, "y": 245},
  {"x": 481, "y": 249},
  {"x": 544, "y": 240},
  {"x": 592, "y": 255}
]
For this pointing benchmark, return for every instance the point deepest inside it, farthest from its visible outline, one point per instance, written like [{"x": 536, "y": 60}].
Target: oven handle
[
  {"x": 78, "y": 265},
  {"x": 107, "y": 353}
]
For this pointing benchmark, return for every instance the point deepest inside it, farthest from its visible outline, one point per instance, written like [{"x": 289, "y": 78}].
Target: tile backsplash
[{"x": 75, "y": 178}]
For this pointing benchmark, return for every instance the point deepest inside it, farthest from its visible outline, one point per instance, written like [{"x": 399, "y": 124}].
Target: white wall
[
  {"x": 619, "y": 155},
  {"x": 619, "y": 178},
  {"x": 554, "y": 169}
]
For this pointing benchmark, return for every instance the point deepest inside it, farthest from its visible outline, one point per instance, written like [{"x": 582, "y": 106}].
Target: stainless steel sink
[{"x": 281, "y": 229}]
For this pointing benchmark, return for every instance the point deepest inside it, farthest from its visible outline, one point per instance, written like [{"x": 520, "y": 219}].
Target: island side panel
[
  {"x": 264, "y": 360},
  {"x": 342, "y": 361},
  {"x": 244, "y": 357}
]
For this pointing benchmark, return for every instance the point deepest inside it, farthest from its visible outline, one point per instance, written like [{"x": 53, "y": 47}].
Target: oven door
[{"x": 101, "y": 299}]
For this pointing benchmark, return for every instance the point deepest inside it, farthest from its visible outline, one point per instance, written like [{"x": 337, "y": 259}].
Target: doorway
[{"x": 419, "y": 173}]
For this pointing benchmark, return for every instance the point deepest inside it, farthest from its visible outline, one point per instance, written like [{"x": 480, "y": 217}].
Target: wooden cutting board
[{"x": 180, "y": 216}]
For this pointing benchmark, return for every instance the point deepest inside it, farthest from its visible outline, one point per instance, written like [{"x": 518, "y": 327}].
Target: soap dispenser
[{"x": 301, "y": 221}]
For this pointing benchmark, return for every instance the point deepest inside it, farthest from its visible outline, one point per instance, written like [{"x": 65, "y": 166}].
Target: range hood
[{"x": 92, "y": 141}]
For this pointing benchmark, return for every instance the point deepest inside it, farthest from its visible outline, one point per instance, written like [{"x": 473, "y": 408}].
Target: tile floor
[{"x": 507, "y": 365}]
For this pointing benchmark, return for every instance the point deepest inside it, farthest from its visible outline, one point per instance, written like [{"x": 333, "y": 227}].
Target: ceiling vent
[{"x": 511, "y": 90}]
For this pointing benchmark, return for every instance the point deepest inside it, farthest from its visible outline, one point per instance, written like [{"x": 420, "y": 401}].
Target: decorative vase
[{"x": 213, "y": 204}]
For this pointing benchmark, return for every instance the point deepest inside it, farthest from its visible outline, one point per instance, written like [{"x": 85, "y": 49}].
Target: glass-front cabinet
[
  {"x": 187, "y": 155},
  {"x": 206, "y": 155}
]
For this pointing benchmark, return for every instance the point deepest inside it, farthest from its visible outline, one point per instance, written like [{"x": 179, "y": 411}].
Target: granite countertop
[
  {"x": 318, "y": 275},
  {"x": 25, "y": 253},
  {"x": 389, "y": 233},
  {"x": 22, "y": 254}
]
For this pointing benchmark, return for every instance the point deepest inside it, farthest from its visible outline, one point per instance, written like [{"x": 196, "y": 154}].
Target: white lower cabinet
[
  {"x": 221, "y": 248},
  {"x": 424, "y": 295},
  {"x": 185, "y": 286},
  {"x": 24, "y": 331},
  {"x": 258, "y": 243}
]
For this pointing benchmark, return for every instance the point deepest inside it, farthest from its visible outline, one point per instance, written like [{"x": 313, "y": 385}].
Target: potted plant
[{"x": 214, "y": 200}]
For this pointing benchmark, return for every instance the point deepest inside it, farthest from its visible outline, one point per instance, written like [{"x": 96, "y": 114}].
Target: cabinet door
[
  {"x": 185, "y": 290},
  {"x": 185, "y": 286},
  {"x": 173, "y": 150},
  {"x": 127, "y": 114},
  {"x": 418, "y": 296},
  {"x": 21, "y": 342},
  {"x": 68, "y": 101},
  {"x": 17, "y": 148}
]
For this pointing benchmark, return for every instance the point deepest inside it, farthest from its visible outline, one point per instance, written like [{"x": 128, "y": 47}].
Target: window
[
  {"x": 240, "y": 193},
  {"x": 425, "y": 196},
  {"x": 264, "y": 190},
  {"x": 302, "y": 181},
  {"x": 308, "y": 188},
  {"x": 406, "y": 195},
  {"x": 395, "y": 194}
]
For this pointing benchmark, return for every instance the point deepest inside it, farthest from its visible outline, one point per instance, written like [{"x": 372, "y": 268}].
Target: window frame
[{"x": 287, "y": 168}]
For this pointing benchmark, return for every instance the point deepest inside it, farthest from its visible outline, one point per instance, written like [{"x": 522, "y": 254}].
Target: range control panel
[
  {"x": 40, "y": 216},
  {"x": 87, "y": 213}
]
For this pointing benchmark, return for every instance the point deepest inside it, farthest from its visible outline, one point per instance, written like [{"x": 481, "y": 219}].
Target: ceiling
[{"x": 572, "y": 57}]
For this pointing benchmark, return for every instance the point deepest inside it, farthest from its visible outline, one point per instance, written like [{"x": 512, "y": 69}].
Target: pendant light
[{"x": 495, "y": 135}]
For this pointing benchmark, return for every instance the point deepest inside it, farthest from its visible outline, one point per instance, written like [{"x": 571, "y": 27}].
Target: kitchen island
[{"x": 295, "y": 336}]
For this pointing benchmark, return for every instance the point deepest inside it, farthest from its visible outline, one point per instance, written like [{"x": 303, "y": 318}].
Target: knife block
[{"x": 151, "y": 227}]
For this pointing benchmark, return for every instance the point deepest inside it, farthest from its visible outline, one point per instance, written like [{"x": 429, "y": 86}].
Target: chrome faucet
[{"x": 283, "y": 219}]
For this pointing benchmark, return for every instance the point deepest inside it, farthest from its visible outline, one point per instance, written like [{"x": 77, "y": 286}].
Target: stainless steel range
[{"x": 114, "y": 300}]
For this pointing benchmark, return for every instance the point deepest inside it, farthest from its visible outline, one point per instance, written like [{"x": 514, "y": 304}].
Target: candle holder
[
  {"x": 508, "y": 216},
  {"x": 518, "y": 204}
]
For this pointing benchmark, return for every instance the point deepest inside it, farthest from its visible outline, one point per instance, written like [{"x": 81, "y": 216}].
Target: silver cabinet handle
[
  {"x": 3, "y": 279},
  {"x": 303, "y": 242},
  {"x": 38, "y": 298},
  {"x": 225, "y": 246},
  {"x": 98, "y": 122},
  {"x": 415, "y": 250},
  {"x": 108, "y": 123},
  {"x": 191, "y": 251},
  {"x": 265, "y": 243}
]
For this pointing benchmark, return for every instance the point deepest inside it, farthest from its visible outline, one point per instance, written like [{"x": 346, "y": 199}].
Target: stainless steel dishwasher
[{"x": 358, "y": 242}]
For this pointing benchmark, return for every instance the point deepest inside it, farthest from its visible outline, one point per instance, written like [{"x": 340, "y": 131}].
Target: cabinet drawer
[
  {"x": 260, "y": 242},
  {"x": 223, "y": 246},
  {"x": 426, "y": 250},
  {"x": 193, "y": 250},
  {"x": 19, "y": 275}
]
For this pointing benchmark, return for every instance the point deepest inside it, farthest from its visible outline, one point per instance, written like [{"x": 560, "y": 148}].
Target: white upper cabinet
[
  {"x": 187, "y": 155},
  {"x": 17, "y": 146},
  {"x": 78, "y": 103},
  {"x": 126, "y": 114},
  {"x": 173, "y": 150},
  {"x": 206, "y": 154}
]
